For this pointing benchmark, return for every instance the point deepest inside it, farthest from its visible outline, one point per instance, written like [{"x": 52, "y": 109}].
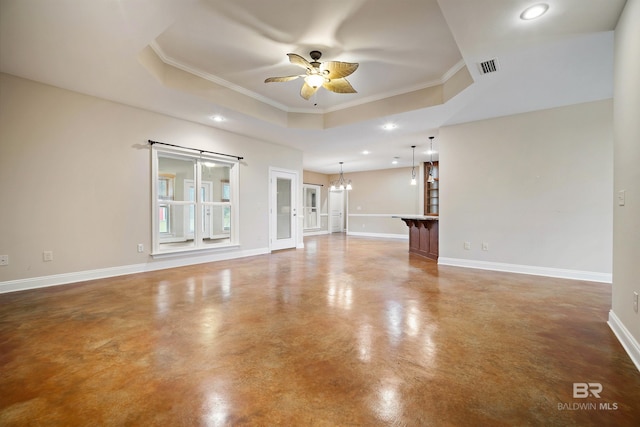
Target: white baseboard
[
  {"x": 379, "y": 235},
  {"x": 528, "y": 269},
  {"x": 81, "y": 276},
  {"x": 627, "y": 340},
  {"x": 315, "y": 233}
]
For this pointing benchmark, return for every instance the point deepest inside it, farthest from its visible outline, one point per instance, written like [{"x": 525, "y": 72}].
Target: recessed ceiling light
[
  {"x": 395, "y": 161},
  {"x": 365, "y": 152},
  {"x": 534, "y": 11},
  {"x": 217, "y": 118},
  {"x": 389, "y": 126}
]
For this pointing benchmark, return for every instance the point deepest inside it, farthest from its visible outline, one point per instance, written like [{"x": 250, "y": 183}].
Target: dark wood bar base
[{"x": 423, "y": 236}]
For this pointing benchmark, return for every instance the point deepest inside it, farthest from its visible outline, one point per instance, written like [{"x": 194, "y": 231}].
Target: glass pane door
[
  {"x": 283, "y": 209},
  {"x": 283, "y": 221}
]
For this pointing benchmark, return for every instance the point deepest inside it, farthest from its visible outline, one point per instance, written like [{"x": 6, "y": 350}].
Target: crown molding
[{"x": 239, "y": 89}]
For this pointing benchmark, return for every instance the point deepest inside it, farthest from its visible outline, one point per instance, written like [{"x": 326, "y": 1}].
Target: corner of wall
[{"x": 631, "y": 346}]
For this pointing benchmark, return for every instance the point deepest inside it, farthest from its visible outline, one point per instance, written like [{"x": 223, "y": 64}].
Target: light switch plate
[{"x": 621, "y": 197}]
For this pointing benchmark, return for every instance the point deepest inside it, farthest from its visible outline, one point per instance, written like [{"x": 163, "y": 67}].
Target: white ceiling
[{"x": 402, "y": 46}]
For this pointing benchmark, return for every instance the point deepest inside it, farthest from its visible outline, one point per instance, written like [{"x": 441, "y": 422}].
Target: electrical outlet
[
  {"x": 485, "y": 246},
  {"x": 140, "y": 248},
  {"x": 4, "y": 259},
  {"x": 467, "y": 245},
  {"x": 47, "y": 256},
  {"x": 635, "y": 302}
]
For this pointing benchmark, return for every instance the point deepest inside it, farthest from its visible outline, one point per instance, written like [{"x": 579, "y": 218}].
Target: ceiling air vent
[{"x": 490, "y": 66}]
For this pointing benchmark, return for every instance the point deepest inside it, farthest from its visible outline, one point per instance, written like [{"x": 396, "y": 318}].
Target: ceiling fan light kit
[
  {"x": 329, "y": 75},
  {"x": 314, "y": 80}
]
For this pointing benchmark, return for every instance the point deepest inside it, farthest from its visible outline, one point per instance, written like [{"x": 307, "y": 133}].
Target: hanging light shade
[
  {"x": 414, "y": 181},
  {"x": 341, "y": 183},
  {"x": 430, "y": 178},
  {"x": 314, "y": 80}
]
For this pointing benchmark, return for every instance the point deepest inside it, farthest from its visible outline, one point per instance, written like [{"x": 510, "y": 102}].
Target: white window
[
  {"x": 311, "y": 206},
  {"x": 226, "y": 211},
  {"x": 165, "y": 192},
  {"x": 195, "y": 201}
]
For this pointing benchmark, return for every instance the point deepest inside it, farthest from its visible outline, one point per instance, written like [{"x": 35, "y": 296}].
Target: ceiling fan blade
[
  {"x": 299, "y": 61},
  {"x": 281, "y": 79},
  {"x": 339, "y": 69},
  {"x": 307, "y": 91},
  {"x": 339, "y": 86}
]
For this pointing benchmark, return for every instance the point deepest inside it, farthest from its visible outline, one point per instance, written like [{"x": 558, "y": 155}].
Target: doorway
[
  {"x": 336, "y": 211},
  {"x": 283, "y": 209}
]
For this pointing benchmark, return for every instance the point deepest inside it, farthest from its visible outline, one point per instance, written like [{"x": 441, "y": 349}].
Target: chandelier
[
  {"x": 340, "y": 183},
  {"x": 414, "y": 181},
  {"x": 430, "y": 178}
]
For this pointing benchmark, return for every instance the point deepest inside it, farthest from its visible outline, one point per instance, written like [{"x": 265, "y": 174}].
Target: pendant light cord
[{"x": 413, "y": 162}]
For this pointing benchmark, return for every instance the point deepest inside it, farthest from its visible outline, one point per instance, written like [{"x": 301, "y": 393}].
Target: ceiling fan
[{"x": 330, "y": 74}]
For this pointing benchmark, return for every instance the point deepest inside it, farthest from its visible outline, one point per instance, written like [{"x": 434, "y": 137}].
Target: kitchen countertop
[{"x": 418, "y": 217}]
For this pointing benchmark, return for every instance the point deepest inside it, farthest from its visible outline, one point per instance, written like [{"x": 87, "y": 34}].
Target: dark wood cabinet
[{"x": 423, "y": 236}]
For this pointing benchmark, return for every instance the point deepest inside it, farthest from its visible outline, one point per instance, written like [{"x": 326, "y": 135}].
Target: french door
[{"x": 283, "y": 209}]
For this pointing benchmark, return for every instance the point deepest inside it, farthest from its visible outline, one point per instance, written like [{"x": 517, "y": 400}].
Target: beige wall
[
  {"x": 626, "y": 229},
  {"x": 536, "y": 187},
  {"x": 377, "y": 196},
  {"x": 75, "y": 174}
]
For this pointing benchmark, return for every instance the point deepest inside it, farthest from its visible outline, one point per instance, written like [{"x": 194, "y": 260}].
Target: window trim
[
  {"x": 318, "y": 190},
  {"x": 198, "y": 158}
]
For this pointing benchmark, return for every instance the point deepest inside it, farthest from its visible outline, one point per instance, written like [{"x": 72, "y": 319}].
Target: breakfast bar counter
[{"x": 423, "y": 235}]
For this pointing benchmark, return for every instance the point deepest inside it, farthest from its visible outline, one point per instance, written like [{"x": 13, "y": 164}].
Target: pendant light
[
  {"x": 341, "y": 183},
  {"x": 430, "y": 178},
  {"x": 413, "y": 166}
]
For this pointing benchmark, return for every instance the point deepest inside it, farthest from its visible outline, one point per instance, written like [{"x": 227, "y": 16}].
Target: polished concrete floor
[{"x": 347, "y": 332}]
